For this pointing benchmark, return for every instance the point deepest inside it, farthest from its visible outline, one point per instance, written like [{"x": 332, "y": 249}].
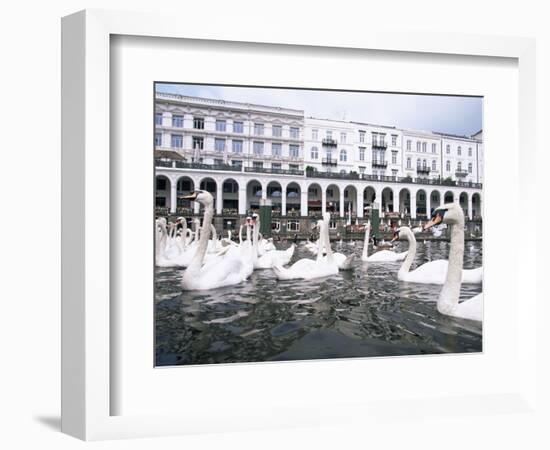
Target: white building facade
[{"x": 247, "y": 154}]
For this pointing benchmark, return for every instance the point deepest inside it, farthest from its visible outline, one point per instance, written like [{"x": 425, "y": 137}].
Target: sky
[{"x": 446, "y": 114}]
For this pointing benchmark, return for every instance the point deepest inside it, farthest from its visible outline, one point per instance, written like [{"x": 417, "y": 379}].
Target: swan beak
[{"x": 432, "y": 222}]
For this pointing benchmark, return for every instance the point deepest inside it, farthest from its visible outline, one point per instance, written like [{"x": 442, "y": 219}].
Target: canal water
[{"x": 360, "y": 313}]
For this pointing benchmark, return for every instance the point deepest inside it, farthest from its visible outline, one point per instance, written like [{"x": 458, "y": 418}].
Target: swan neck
[
  {"x": 406, "y": 266},
  {"x": 327, "y": 242},
  {"x": 366, "y": 243},
  {"x": 184, "y": 233},
  {"x": 240, "y": 234},
  {"x": 198, "y": 258},
  {"x": 214, "y": 233},
  {"x": 450, "y": 293}
]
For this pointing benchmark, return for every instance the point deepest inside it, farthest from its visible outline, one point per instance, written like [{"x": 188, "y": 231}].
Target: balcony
[
  {"x": 329, "y": 142},
  {"x": 275, "y": 171},
  {"x": 422, "y": 170},
  {"x": 329, "y": 162},
  {"x": 379, "y": 164},
  {"x": 336, "y": 175},
  {"x": 194, "y": 165},
  {"x": 461, "y": 173},
  {"x": 380, "y": 145}
]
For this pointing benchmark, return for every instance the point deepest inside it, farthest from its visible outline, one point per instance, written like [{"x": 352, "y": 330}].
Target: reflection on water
[{"x": 363, "y": 312}]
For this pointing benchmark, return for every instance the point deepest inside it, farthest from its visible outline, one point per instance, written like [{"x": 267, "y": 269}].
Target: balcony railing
[
  {"x": 382, "y": 145},
  {"x": 317, "y": 174},
  {"x": 380, "y": 164},
  {"x": 329, "y": 162},
  {"x": 329, "y": 142},
  {"x": 461, "y": 173},
  {"x": 423, "y": 170},
  {"x": 274, "y": 170}
]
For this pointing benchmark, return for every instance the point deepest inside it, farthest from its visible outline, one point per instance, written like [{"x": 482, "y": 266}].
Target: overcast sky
[{"x": 455, "y": 115}]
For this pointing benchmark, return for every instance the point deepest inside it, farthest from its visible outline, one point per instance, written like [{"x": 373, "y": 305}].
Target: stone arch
[
  {"x": 230, "y": 196},
  {"x": 421, "y": 203},
  {"x": 350, "y": 200},
  {"x": 388, "y": 200},
  {"x": 314, "y": 198},
  {"x": 463, "y": 202},
  {"x": 476, "y": 205},
  {"x": 184, "y": 186},
  {"x": 254, "y": 193},
  {"x": 293, "y": 192},
  {"x": 405, "y": 201},
  {"x": 163, "y": 198},
  {"x": 333, "y": 199}
]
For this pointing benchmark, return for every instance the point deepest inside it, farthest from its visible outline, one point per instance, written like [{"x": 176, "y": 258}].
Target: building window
[
  {"x": 418, "y": 146},
  {"x": 158, "y": 139},
  {"x": 394, "y": 140},
  {"x": 459, "y": 151},
  {"x": 424, "y": 147},
  {"x": 238, "y": 127},
  {"x": 459, "y": 166},
  {"x": 343, "y": 138},
  {"x": 329, "y": 134},
  {"x": 424, "y": 164},
  {"x": 293, "y": 167},
  {"x": 394, "y": 157},
  {"x": 434, "y": 147},
  {"x": 448, "y": 166},
  {"x": 237, "y": 146},
  {"x": 198, "y": 143},
  {"x": 361, "y": 153},
  {"x": 294, "y": 133},
  {"x": 434, "y": 165},
  {"x": 343, "y": 155},
  {"x": 258, "y": 148},
  {"x": 177, "y": 121},
  {"x": 198, "y": 123},
  {"x": 176, "y": 140},
  {"x": 158, "y": 118},
  {"x": 314, "y": 153},
  {"x": 236, "y": 163},
  {"x": 219, "y": 145},
  {"x": 448, "y": 149},
  {"x": 469, "y": 151},
  {"x": 409, "y": 166},
  {"x": 314, "y": 135},
  {"x": 259, "y": 129},
  {"x": 276, "y": 166},
  {"x": 294, "y": 151},
  {"x": 258, "y": 165},
  {"x": 409, "y": 144},
  {"x": 293, "y": 225},
  {"x": 218, "y": 162},
  {"x": 276, "y": 149},
  {"x": 394, "y": 172},
  {"x": 469, "y": 167},
  {"x": 277, "y": 130},
  {"x": 361, "y": 169},
  {"x": 361, "y": 136},
  {"x": 418, "y": 163},
  {"x": 220, "y": 125}
]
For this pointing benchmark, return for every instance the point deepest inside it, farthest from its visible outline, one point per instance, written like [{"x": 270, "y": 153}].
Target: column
[
  {"x": 379, "y": 201},
  {"x": 173, "y": 196},
  {"x": 264, "y": 191},
  {"x": 283, "y": 201},
  {"x": 413, "y": 205},
  {"x": 219, "y": 197},
  {"x": 303, "y": 201},
  {"x": 360, "y": 203},
  {"x": 323, "y": 200},
  {"x": 242, "y": 200},
  {"x": 342, "y": 211},
  {"x": 470, "y": 207},
  {"x": 428, "y": 204}
]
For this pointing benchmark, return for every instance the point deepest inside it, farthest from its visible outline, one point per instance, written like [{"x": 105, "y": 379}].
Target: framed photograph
[{"x": 247, "y": 248}]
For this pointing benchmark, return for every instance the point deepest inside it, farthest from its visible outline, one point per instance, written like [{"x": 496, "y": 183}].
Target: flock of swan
[{"x": 211, "y": 262}]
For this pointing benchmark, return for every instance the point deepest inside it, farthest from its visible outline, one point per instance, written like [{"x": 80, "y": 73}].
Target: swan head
[
  {"x": 450, "y": 213},
  {"x": 401, "y": 232},
  {"x": 200, "y": 196}
]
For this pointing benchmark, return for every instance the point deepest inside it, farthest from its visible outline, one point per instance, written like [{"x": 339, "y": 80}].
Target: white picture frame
[{"x": 86, "y": 286}]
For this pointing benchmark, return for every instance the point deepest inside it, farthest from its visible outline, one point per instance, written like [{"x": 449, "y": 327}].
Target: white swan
[
  {"x": 308, "y": 268},
  {"x": 220, "y": 271},
  {"x": 342, "y": 261},
  {"x": 381, "y": 255},
  {"x": 269, "y": 258},
  {"x": 448, "y": 301},
  {"x": 433, "y": 272}
]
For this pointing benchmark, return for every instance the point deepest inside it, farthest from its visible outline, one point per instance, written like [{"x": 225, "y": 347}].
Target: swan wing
[{"x": 471, "y": 308}]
